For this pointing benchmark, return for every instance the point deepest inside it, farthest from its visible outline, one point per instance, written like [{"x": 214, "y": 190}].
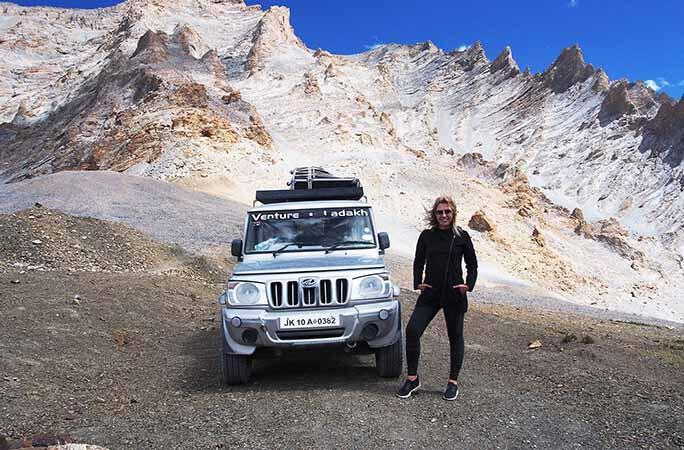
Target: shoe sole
[
  {"x": 410, "y": 392},
  {"x": 450, "y": 399}
]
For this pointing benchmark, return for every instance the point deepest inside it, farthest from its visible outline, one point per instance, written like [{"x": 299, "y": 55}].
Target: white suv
[{"x": 310, "y": 273}]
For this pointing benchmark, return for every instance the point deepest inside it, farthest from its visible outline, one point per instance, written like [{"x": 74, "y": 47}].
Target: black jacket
[{"x": 432, "y": 253}]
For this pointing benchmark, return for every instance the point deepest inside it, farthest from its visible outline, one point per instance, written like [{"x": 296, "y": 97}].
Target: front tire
[
  {"x": 389, "y": 360},
  {"x": 235, "y": 369}
]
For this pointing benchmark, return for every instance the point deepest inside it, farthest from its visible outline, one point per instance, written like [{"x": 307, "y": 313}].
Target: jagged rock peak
[
  {"x": 568, "y": 69},
  {"x": 664, "y": 134},
  {"x": 419, "y": 48},
  {"x": 476, "y": 51},
  {"x": 189, "y": 40},
  {"x": 506, "y": 63},
  {"x": 662, "y": 97},
  {"x": 156, "y": 46},
  {"x": 275, "y": 25},
  {"x": 273, "y": 30},
  {"x": 213, "y": 62},
  {"x": 671, "y": 111},
  {"x": 624, "y": 98},
  {"x": 428, "y": 46},
  {"x": 152, "y": 44},
  {"x": 643, "y": 97},
  {"x": 602, "y": 83},
  {"x": 469, "y": 58},
  {"x": 616, "y": 103},
  {"x": 320, "y": 53},
  {"x": 570, "y": 56}
]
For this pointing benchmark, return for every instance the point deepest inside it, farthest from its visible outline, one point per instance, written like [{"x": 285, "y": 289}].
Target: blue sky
[{"x": 631, "y": 39}]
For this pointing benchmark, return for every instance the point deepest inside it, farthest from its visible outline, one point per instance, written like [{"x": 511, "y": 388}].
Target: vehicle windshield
[{"x": 309, "y": 229}]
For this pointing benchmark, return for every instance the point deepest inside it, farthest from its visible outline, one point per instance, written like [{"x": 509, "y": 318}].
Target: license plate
[{"x": 310, "y": 321}]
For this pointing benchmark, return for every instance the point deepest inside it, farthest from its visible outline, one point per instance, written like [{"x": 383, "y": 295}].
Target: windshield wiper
[
  {"x": 282, "y": 249},
  {"x": 340, "y": 244}
]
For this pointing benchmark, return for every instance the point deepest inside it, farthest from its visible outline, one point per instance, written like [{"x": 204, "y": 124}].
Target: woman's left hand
[{"x": 461, "y": 287}]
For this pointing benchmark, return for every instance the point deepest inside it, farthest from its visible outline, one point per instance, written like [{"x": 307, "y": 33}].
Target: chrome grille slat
[
  {"x": 277, "y": 294},
  {"x": 326, "y": 292},
  {"x": 342, "y": 288},
  {"x": 309, "y": 296},
  {"x": 291, "y": 294}
]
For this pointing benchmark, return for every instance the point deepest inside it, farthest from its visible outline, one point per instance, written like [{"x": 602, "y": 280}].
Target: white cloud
[
  {"x": 573, "y": 3},
  {"x": 463, "y": 47},
  {"x": 652, "y": 84},
  {"x": 658, "y": 83}
]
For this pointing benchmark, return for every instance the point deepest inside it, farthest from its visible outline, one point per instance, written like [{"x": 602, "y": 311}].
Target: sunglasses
[{"x": 443, "y": 212}]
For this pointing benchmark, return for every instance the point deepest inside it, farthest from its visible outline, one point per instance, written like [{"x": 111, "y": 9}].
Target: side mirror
[
  {"x": 383, "y": 240},
  {"x": 236, "y": 248}
]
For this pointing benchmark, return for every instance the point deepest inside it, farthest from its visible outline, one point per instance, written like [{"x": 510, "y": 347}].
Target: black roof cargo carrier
[{"x": 314, "y": 183}]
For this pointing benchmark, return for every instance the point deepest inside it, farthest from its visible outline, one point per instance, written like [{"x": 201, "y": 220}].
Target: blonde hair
[{"x": 431, "y": 216}]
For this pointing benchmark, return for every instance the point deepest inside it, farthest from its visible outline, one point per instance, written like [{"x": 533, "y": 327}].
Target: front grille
[{"x": 324, "y": 292}]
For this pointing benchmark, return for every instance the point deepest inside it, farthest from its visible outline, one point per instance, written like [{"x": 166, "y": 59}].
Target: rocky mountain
[{"x": 580, "y": 176}]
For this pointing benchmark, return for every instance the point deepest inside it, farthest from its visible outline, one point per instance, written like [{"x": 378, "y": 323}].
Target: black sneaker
[
  {"x": 451, "y": 392},
  {"x": 408, "y": 388}
]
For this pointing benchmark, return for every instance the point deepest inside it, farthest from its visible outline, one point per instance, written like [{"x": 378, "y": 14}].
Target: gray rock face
[
  {"x": 133, "y": 110},
  {"x": 616, "y": 103},
  {"x": 664, "y": 135}
]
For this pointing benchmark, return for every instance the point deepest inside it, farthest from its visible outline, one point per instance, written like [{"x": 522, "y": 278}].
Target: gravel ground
[{"x": 134, "y": 365}]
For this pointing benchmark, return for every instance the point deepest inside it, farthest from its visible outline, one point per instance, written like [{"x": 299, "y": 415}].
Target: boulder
[
  {"x": 578, "y": 214},
  {"x": 537, "y": 237},
  {"x": 480, "y": 222}
]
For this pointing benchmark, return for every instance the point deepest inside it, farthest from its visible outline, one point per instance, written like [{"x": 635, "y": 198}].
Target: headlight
[
  {"x": 244, "y": 293},
  {"x": 373, "y": 286}
]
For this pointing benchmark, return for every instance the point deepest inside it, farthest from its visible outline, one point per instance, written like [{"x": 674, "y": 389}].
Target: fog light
[
  {"x": 250, "y": 336},
  {"x": 236, "y": 322},
  {"x": 383, "y": 314},
  {"x": 370, "y": 331}
]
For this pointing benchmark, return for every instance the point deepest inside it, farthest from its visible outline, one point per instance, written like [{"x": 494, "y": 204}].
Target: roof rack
[
  {"x": 317, "y": 177},
  {"x": 314, "y": 183}
]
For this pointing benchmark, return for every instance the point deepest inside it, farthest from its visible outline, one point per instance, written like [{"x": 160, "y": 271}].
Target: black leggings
[{"x": 420, "y": 319}]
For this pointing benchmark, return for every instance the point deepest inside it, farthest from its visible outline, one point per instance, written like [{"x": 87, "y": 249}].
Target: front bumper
[{"x": 261, "y": 328}]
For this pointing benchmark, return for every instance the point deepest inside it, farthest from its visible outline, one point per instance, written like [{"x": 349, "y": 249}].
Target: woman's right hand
[{"x": 424, "y": 286}]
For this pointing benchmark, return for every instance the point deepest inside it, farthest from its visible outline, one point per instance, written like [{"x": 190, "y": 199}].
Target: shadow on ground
[{"x": 290, "y": 370}]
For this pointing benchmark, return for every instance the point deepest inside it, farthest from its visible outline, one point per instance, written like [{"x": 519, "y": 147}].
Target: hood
[{"x": 321, "y": 263}]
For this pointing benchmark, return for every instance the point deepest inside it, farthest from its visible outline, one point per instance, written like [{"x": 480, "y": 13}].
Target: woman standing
[{"x": 440, "y": 251}]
